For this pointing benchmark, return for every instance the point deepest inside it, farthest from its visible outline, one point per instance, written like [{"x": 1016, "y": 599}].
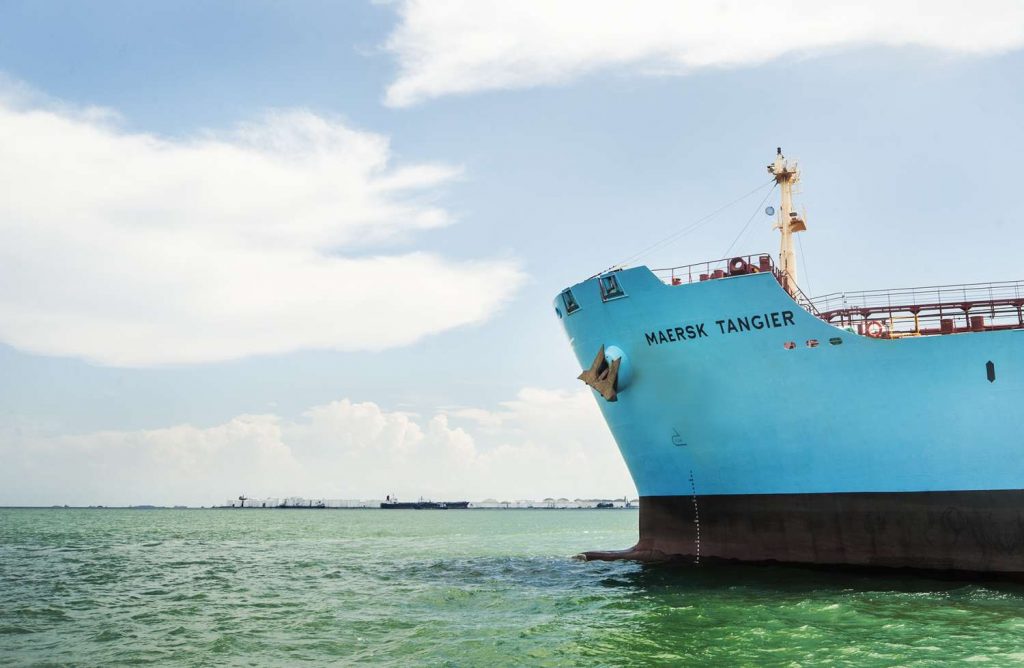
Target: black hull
[
  {"x": 426, "y": 505},
  {"x": 976, "y": 531}
]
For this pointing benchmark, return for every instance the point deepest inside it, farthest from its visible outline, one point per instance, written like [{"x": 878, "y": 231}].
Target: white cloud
[
  {"x": 543, "y": 443},
  {"x": 462, "y": 46},
  {"x": 125, "y": 248}
]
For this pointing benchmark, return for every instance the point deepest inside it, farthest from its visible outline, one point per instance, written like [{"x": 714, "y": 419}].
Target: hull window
[
  {"x": 570, "y": 303},
  {"x": 610, "y": 288}
]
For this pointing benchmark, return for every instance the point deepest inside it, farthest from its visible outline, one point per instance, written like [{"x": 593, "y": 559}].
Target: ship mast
[{"x": 789, "y": 222}]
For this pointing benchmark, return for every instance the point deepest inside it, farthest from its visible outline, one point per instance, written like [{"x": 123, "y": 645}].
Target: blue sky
[{"x": 199, "y": 193}]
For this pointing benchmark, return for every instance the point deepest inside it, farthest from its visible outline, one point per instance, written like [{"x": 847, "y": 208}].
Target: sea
[{"x": 101, "y": 587}]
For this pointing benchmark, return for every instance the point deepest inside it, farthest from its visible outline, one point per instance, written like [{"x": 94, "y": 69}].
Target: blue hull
[{"x": 728, "y": 388}]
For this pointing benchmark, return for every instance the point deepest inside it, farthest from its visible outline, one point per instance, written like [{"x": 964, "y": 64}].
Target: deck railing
[
  {"x": 936, "y": 294},
  {"x": 937, "y": 309},
  {"x": 712, "y": 269},
  {"x": 733, "y": 266},
  {"x": 805, "y": 302}
]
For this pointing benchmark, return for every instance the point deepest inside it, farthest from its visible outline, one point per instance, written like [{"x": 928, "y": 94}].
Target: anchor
[{"x": 603, "y": 376}]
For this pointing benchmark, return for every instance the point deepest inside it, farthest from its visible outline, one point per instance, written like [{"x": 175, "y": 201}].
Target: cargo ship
[{"x": 878, "y": 429}]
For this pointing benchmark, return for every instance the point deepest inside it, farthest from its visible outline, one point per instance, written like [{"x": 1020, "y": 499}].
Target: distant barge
[{"x": 424, "y": 505}]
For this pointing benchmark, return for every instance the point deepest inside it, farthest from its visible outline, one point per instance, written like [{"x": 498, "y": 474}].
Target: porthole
[{"x": 789, "y": 345}]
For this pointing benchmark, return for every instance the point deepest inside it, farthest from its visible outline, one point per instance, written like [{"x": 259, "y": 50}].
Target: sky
[{"x": 310, "y": 248}]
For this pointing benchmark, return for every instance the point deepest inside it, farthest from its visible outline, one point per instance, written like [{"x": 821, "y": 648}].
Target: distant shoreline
[{"x": 537, "y": 507}]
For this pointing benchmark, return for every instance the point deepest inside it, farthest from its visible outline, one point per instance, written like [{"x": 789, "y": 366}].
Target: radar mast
[{"x": 787, "y": 174}]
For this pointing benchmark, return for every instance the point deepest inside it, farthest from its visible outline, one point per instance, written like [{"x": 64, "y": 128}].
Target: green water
[{"x": 456, "y": 588}]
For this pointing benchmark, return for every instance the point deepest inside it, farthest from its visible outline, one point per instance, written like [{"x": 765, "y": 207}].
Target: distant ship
[
  {"x": 395, "y": 504},
  {"x": 876, "y": 429}
]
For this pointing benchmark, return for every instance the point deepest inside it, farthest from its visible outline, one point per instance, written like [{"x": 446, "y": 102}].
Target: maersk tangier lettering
[{"x": 879, "y": 429}]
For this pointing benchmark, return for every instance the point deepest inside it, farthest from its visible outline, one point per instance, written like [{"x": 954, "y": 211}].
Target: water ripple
[{"x": 459, "y": 588}]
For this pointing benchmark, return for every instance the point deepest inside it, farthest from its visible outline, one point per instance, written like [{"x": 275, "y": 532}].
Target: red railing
[
  {"x": 712, "y": 269},
  {"x": 942, "y": 309},
  {"x": 733, "y": 266}
]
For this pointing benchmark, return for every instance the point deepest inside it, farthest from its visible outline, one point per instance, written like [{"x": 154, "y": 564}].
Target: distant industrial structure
[
  {"x": 549, "y": 503},
  {"x": 297, "y": 502}
]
